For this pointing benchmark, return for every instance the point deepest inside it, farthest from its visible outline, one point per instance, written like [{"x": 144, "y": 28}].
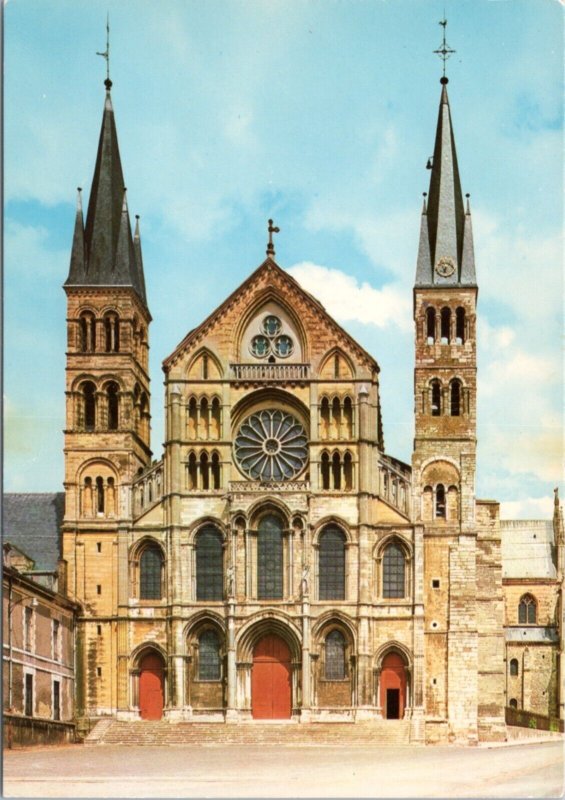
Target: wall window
[
  {"x": 335, "y": 656},
  {"x": 440, "y": 501},
  {"x": 150, "y": 573},
  {"x": 209, "y": 564},
  {"x": 460, "y": 325},
  {"x": 514, "y": 666},
  {"x": 28, "y": 695},
  {"x": 270, "y": 559},
  {"x": 513, "y": 703},
  {"x": 430, "y": 325},
  {"x": 332, "y": 565},
  {"x": 209, "y": 663},
  {"x": 394, "y": 571},
  {"x": 527, "y": 610},
  {"x": 87, "y": 332},
  {"x": 112, "y": 333},
  {"x": 89, "y": 405},
  {"x": 435, "y": 387},
  {"x": 445, "y": 325},
  {"x": 28, "y": 628},
  {"x": 113, "y": 405},
  {"x": 56, "y": 639},
  {"x": 56, "y": 700},
  {"x": 455, "y": 398}
]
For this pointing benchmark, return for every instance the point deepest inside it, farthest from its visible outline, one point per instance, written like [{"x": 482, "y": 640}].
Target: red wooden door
[
  {"x": 271, "y": 695},
  {"x": 393, "y": 676},
  {"x": 151, "y": 687}
]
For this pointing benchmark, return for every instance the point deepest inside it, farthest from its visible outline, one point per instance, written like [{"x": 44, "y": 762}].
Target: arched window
[
  {"x": 87, "y": 327},
  {"x": 192, "y": 418},
  {"x": 455, "y": 398},
  {"x": 394, "y": 571},
  {"x": 513, "y": 703},
  {"x": 209, "y": 564},
  {"x": 203, "y": 419},
  {"x": 209, "y": 664},
  {"x": 204, "y": 472},
  {"x": 99, "y": 495},
  {"x": 112, "y": 398},
  {"x": 336, "y": 419},
  {"x": 325, "y": 470},
  {"x": 440, "y": 501},
  {"x": 324, "y": 418},
  {"x": 332, "y": 565},
  {"x": 205, "y": 366},
  {"x": 215, "y": 419},
  {"x": 347, "y": 418},
  {"x": 87, "y": 507},
  {"x": 334, "y": 656},
  {"x": 150, "y": 573},
  {"x": 348, "y": 472},
  {"x": 514, "y": 666},
  {"x": 215, "y": 471},
  {"x": 112, "y": 333},
  {"x": 445, "y": 324},
  {"x": 336, "y": 366},
  {"x": 527, "y": 610},
  {"x": 430, "y": 325},
  {"x": 436, "y": 398},
  {"x": 270, "y": 559},
  {"x": 460, "y": 325},
  {"x": 336, "y": 471},
  {"x": 144, "y": 415},
  {"x": 192, "y": 471},
  {"x": 89, "y": 402}
]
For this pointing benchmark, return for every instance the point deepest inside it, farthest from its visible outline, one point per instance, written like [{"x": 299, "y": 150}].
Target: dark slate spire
[
  {"x": 76, "y": 270},
  {"x": 109, "y": 253},
  {"x": 446, "y": 241},
  {"x": 138, "y": 256}
]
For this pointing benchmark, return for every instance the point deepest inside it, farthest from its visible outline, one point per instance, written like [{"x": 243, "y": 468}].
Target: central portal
[{"x": 271, "y": 695}]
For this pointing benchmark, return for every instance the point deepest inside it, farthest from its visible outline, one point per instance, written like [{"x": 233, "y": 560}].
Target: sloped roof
[
  {"x": 527, "y": 549},
  {"x": 32, "y": 522},
  {"x": 268, "y": 264}
]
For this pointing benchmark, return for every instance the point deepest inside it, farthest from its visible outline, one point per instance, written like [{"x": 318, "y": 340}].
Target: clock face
[{"x": 445, "y": 267}]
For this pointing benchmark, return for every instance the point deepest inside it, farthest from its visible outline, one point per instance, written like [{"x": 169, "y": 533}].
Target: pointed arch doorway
[
  {"x": 151, "y": 686},
  {"x": 393, "y": 686},
  {"x": 271, "y": 690}
]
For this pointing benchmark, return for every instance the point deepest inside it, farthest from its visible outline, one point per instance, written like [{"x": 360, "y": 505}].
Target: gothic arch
[
  {"x": 265, "y": 506},
  {"x": 147, "y": 540},
  {"x": 329, "y": 356},
  {"x": 138, "y": 653},
  {"x": 262, "y": 298},
  {"x": 213, "y": 358},
  {"x": 201, "y": 620},
  {"x": 262, "y": 624},
  {"x": 392, "y": 646},
  {"x": 331, "y": 519},
  {"x": 334, "y": 618},
  {"x": 394, "y": 537},
  {"x": 201, "y": 523},
  {"x": 270, "y": 397}
]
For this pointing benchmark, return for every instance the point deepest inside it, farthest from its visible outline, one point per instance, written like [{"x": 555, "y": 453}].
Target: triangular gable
[{"x": 268, "y": 265}]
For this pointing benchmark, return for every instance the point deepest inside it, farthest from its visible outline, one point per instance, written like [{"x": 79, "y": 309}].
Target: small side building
[{"x": 39, "y": 623}]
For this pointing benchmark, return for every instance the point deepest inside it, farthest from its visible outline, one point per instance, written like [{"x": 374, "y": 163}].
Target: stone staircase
[{"x": 374, "y": 733}]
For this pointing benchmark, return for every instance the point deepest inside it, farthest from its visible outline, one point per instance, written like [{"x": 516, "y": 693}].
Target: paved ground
[{"x": 530, "y": 770}]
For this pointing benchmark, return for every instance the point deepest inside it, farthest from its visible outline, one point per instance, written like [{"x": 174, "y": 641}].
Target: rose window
[{"x": 271, "y": 446}]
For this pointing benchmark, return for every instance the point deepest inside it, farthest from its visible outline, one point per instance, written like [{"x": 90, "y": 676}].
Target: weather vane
[
  {"x": 106, "y": 53},
  {"x": 445, "y": 51},
  {"x": 271, "y": 247}
]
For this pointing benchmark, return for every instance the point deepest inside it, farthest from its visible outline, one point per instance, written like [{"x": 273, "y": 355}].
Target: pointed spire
[
  {"x": 450, "y": 239},
  {"x": 77, "y": 267},
  {"x": 139, "y": 258},
  {"x": 109, "y": 257}
]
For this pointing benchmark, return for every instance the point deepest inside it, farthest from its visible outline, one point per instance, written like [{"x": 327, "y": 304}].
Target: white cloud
[
  {"x": 527, "y": 508},
  {"x": 348, "y": 300}
]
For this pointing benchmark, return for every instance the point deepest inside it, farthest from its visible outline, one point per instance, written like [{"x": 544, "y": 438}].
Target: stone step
[{"x": 371, "y": 733}]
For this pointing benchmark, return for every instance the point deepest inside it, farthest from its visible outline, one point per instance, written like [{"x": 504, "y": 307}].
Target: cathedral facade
[{"x": 276, "y": 562}]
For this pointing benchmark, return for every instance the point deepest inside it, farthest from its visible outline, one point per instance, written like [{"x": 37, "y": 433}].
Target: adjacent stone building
[
  {"x": 38, "y": 623},
  {"x": 276, "y": 562}
]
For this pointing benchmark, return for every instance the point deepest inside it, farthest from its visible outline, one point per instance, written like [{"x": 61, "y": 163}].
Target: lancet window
[
  {"x": 204, "y": 418},
  {"x": 336, "y": 418}
]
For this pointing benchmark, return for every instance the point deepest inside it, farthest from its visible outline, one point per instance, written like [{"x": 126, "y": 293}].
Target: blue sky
[{"x": 321, "y": 115}]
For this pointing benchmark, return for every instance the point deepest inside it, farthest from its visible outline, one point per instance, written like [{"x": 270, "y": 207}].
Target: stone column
[
  {"x": 231, "y": 711},
  {"x": 306, "y": 689}
]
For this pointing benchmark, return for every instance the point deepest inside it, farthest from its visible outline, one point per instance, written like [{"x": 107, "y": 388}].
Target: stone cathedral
[{"x": 276, "y": 562}]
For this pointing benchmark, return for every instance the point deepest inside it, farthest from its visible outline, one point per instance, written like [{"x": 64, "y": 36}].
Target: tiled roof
[
  {"x": 527, "y": 549},
  {"x": 32, "y": 522}
]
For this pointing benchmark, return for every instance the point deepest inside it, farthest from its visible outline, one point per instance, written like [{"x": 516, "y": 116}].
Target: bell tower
[
  {"x": 444, "y": 457},
  {"x": 107, "y": 433}
]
